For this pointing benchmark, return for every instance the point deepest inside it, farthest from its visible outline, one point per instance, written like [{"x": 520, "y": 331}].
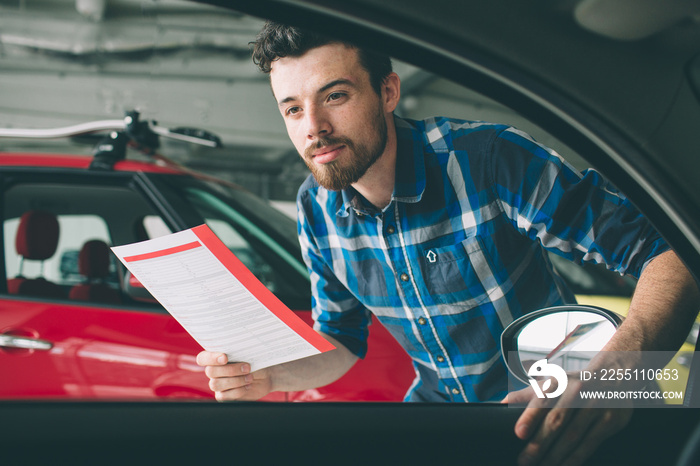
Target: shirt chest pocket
[{"x": 454, "y": 274}]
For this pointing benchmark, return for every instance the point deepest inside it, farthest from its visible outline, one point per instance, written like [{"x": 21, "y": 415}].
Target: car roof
[{"x": 36, "y": 160}]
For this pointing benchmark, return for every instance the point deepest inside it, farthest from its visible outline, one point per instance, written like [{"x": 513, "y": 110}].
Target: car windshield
[
  {"x": 261, "y": 236},
  {"x": 255, "y": 207}
]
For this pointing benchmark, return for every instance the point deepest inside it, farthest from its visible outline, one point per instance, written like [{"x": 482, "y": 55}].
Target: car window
[
  {"x": 84, "y": 213},
  {"x": 591, "y": 283},
  {"x": 271, "y": 263},
  {"x": 62, "y": 267},
  {"x": 154, "y": 227}
]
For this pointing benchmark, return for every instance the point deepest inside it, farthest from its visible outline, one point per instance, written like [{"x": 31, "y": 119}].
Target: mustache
[{"x": 325, "y": 142}]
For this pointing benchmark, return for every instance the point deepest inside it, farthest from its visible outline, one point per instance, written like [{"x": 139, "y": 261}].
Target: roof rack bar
[
  {"x": 66, "y": 131},
  {"x": 190, "y": 135},
  {"x": 204, "y": 140}
]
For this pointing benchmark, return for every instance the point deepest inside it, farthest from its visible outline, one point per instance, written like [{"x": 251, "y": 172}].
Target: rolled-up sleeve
[{"x": 335, "y": 310}]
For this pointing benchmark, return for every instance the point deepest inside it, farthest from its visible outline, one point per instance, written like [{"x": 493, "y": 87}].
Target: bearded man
[{"x": 441, "y": 228}]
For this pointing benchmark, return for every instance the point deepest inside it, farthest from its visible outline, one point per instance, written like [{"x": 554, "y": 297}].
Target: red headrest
[
  {"x": 93, "y": 261},
  {"x": 37, "y": 235}
]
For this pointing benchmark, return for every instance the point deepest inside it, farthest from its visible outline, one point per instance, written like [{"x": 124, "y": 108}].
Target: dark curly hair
[{"x": 276, "y": 40}]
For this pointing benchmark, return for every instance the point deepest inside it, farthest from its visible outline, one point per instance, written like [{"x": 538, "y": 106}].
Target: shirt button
[
  {"x": 404, "y": 277},
  {"x": 422, "y": 321},
  {"x": 440, "y": 359},
  {"x": 390, "y": 229},
  {"x": 455, "y": 391}
]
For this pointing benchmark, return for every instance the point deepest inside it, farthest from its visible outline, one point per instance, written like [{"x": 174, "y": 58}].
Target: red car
[{"x": 72, "y": 323}]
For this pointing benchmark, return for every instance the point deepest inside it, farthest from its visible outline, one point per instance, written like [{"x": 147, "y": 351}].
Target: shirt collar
[
  {"x": 409, "y": 182},
  {"x": 410, "y": 162}
]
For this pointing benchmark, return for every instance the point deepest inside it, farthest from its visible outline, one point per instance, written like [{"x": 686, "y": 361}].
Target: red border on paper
[
  {"x": 163, "y": 252},
  {"x": 255, "y": 286}
]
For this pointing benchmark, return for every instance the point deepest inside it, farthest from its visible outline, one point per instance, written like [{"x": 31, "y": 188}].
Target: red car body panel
[
  {"x": 97, "y": 353},
  {"x": 129, "y": 355},
  {"x": 385, "y": 374}
]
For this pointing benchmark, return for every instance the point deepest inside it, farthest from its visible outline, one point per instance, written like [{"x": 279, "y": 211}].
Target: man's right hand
[{"x": 234, "y": 381}]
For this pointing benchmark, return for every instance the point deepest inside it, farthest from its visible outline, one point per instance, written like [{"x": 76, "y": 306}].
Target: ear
[{"x": 391, "y": 92}]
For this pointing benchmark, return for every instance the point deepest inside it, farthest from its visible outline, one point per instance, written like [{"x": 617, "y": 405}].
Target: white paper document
[{"x": 218, "y": 300}]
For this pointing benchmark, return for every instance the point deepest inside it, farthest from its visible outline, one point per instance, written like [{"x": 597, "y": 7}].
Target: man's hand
[
  {"x": 664, "y": 305},
  {"x": 563, "y": 436},
  {"x": 234, "y": 381}
]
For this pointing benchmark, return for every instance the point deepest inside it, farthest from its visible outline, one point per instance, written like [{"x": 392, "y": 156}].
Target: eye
[
  {"x": 335, "y": 96},
  {"x": 292, "y": 111}
]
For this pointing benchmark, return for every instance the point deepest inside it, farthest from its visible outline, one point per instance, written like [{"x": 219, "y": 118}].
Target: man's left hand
[{"x": 563, "y": 436}]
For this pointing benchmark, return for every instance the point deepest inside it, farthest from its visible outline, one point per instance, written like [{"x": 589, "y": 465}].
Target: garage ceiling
[{"x": 64, "y": 62}]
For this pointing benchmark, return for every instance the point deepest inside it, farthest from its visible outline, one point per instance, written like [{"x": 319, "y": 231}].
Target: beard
[{"x": 336, "y": 175}]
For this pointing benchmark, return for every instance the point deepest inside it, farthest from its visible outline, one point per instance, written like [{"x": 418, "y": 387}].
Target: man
[{"x": 438, "y": 228}]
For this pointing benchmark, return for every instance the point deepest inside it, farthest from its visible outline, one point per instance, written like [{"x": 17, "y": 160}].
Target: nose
[{"x": 317, "y": 123}]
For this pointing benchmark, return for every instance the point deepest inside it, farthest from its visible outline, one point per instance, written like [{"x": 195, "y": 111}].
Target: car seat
[
  {"x": 37, "y": 239},
  {"x": 93, "y": 265}
]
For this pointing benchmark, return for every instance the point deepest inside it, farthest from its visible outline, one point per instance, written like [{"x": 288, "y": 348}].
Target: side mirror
[{"x": 565, "y": 335}]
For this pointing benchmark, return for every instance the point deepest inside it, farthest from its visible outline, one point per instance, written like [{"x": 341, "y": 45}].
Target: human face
[{"x": 335, "y": 119}]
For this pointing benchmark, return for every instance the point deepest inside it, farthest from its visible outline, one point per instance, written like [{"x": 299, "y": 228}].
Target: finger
[
  {"x": 529, "y": 421},
  {"x": 227, "y": 370},
  {"x": 222, "y": 384},
  {"x": 608, "y": 423},
  {"x": 523, "y": 396},
  {"x": 209, "y": 358},
  {"x": 233, "y": 394},
  {"x": 548, "y": 430},
  {"x": 560, "y": 446}
]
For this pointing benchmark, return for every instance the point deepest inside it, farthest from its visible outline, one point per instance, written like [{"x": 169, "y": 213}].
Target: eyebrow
[{"x": 323, "y": 88}]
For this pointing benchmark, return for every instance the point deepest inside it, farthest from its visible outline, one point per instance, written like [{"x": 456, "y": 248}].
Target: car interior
[{"x": 62, "y": 237}]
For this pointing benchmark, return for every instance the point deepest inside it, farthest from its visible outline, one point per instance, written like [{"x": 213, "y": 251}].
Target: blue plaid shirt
[{"x": 460, "y": 250}]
